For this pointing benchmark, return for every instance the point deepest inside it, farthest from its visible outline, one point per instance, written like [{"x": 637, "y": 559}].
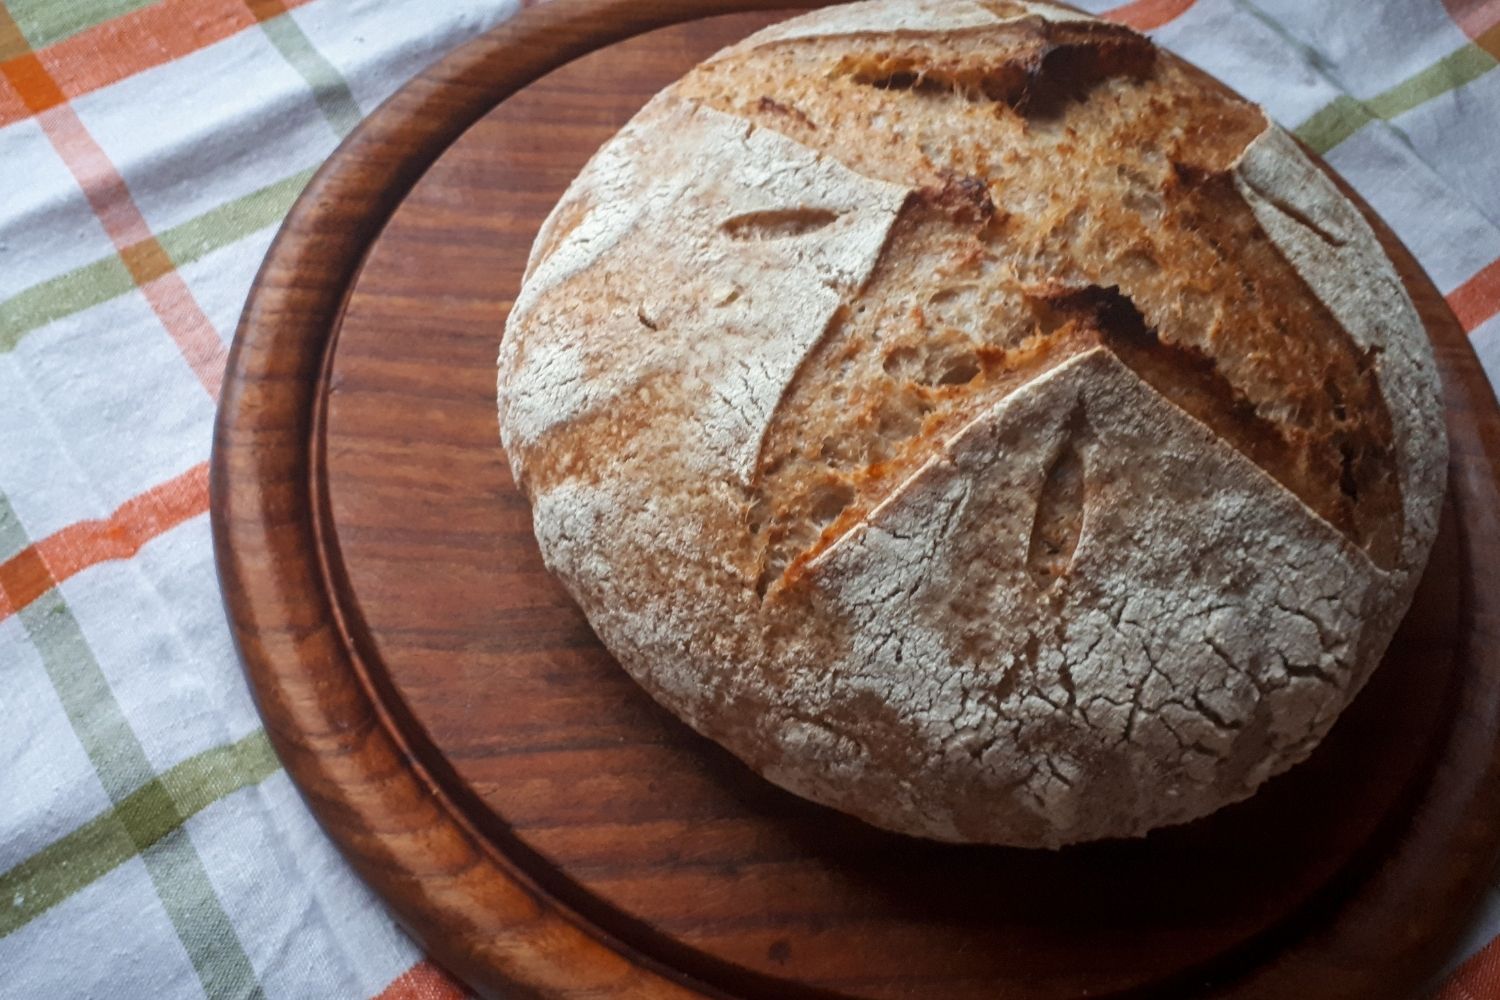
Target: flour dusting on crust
[
  {"x": 1328, "y": 240},
  {"x": 1186, "y": 664},
  {"x": 922, "y": 402},
  {"x": 765, "y": 240}
]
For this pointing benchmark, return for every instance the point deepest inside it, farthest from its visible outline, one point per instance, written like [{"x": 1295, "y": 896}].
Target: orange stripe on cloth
[
  {"x": 25, "y": 86},
  {"x": 101, "y": 182},
  {"x": 424, "y": 981},
  {"x": 1476, "y": 979},
  {"x": 132, "y": 43},
  {"x": 1477, "y": 299},
  {"x": 1480, "y": 20},
  {"x": 264, "y": 10},
  {"x": 32, "y": 83},
  {"x": 172, "y": 301},
  {"x": 12, "y": 108},
  {"x": 42, "y": 565},
  {"x": 165, "y": 290},
  {"x": 1148, "y": 15}
]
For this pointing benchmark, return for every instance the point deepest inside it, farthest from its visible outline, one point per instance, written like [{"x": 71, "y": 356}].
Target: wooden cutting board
[{"x": 544, "y": 829}]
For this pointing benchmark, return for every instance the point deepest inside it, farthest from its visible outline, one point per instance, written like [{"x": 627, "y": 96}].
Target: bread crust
[{"x": 1065, "y": 563}]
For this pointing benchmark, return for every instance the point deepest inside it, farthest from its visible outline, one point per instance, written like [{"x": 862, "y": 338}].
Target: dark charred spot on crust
[
  {"x": 1046, "y": 67},
  {"x": 1110, "y": 311},
  {"x": 1069, "y": 68},
  {"x": 1190, "y": 175},
  {"x": 1183, "y": 373},
  {"x": 962, "y": 198},
  {"x": 1192, "y": 381}
]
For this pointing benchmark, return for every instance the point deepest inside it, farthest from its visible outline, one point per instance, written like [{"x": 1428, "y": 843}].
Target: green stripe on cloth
[
  {"x": 328, "y": 87},
  {"x": 1344, "y": 115},
  {"x": 64, "y": 295},
  {"x": 48, "y": 21},
  {"x": 219, "y": 227},
  {"x": 1333, "y": 123},
  {"x": 145, "y": 817},
  {"x": 184, "y": 243},
  {"x": 1449, "y": 73},
  {"x": 120, "y": 761},
  {"x": 12, "y": 42},
  {"x": 200, "y": 921},
  {"x": 97, "y": 718},
  {"x": 12, "y": 536}
]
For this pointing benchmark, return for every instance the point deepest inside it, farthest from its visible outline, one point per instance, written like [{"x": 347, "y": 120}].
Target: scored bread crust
[{"x": 1066, "y": 597}]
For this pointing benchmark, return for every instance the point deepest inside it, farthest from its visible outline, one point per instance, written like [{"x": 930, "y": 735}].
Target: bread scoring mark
[
  {"x": 778, "y": 223},
  {"x": 1188, "y": 669},
  {"x": 769, "y": 240},
  {"x": 964, "y": 377},
  {"x": 1326, "y": 239},
  {"x": 1191, "y": 380},
  {"x": 957, "y": 378},
  {"x": 1059, "y": 508},
  {"x": 1157, "y": 160},
  {"x": 921, "y": 387},
  {"x": 1297, "y": 215},
  {"x": 1041, "y": 66}
]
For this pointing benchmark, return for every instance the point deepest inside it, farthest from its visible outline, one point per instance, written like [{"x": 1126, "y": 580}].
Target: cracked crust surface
[{"x": 977, "y": 421}]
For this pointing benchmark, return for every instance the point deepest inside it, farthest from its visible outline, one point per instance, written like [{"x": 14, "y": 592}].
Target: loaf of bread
[{"x": 976, "y": 420}]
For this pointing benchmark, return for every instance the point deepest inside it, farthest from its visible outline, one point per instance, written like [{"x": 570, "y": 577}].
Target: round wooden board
[{"x": 545, "y": 829}]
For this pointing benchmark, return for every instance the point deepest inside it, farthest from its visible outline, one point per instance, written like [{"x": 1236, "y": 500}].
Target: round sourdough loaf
[{"x": 976, "y": 420}]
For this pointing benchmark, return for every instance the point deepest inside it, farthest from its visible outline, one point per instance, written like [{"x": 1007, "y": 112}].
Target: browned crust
[
  {"x": 1228, "y": 329},
  {"x": 1066, "y": 476}
]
